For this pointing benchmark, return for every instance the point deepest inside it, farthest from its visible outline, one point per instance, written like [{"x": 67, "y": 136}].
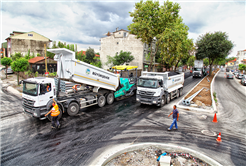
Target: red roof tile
[
  {"x": 244, "y": 60},
  {"x": 233, "y": 60},
  {"x": 36, "y": 59},
  {"x": 84, "y": 52}
]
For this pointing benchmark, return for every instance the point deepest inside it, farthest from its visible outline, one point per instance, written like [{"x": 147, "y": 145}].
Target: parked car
[
  {"x": 243, "y": 81},
  {"x": 229, "y": 75},
  {"x": 236, "y": 72},
  {"x": 240, "y": 76},
  {"x": 9, "y": 70}
]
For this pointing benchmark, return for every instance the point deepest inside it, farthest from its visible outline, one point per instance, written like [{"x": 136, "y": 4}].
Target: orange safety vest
[
  {"x": 55, "y": 111},
  {"x": 47, "y": 89}
]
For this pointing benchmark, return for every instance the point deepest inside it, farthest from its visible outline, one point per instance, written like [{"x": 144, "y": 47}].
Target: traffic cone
[
  {"x": 219, "y": 138},
  {"x": 215, "y": 118}
]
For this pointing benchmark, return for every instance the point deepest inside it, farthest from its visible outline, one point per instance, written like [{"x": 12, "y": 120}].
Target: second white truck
[
  {"x": 157, "y": 88},
  {"x": 198, "y": 70}
]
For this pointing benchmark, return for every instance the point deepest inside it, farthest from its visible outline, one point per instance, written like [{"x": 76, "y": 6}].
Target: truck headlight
[
  {"x": 154, "y": 102},
  {"x": 137, "y": 92},
  {"x": 35, "y": 114},
  {"x": 137, "y": 99}
]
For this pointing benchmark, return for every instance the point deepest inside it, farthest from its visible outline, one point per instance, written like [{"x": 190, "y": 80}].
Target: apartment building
[
  {"x": 24, "y": 41},
  {"x": 119, "y": 40},
  {"x": 241, "y": 55}
]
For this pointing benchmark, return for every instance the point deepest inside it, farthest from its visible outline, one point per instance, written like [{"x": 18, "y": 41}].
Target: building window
[
  {"x": 117, "y": 42},
  {"x": 125, "y": 34},
  {"x": 116, "y": 53},
  {"x": 30, "y": 34},
  {"x": 119, "y": 32}
]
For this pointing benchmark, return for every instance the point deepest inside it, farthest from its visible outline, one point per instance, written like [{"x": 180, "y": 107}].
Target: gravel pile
[{"x": 149, "y": 156}]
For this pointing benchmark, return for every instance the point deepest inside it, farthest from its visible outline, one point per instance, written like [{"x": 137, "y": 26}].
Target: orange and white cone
[{"x": 219, "y": 138}]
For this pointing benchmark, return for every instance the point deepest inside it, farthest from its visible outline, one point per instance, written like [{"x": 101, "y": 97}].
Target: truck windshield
[
  {"x": 197, "y": 69},
  {"x": 148, "y": 83},
  {"x": 30, "y": 88}
]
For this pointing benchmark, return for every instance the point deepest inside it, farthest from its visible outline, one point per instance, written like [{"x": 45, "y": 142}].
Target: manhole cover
[{"x": 209, "y": 133}]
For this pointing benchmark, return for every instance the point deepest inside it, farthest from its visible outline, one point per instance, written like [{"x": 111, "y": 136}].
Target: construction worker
[
  {"x": 75, "y": 88},
  {"x": 54, "y": 114},
  {"x": 175, "y": 114},
  {"x": 47, "y": 88}
]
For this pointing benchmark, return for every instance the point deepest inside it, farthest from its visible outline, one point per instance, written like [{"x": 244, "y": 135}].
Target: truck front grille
[
  {"x": 146, "y": 93},
  {"x": 28, "y": 103}
]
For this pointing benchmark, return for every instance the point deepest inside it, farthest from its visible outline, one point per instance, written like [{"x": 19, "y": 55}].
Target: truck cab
[
  {"x": 150, "y": 89},
  {"x": 37, "y": 92}
]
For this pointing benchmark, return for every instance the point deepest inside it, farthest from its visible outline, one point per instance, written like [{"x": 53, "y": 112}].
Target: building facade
[
  {"x": 119, "y": 40},
  {"x": 241, "y": 55},
  {"x": 24, "y": 41}
]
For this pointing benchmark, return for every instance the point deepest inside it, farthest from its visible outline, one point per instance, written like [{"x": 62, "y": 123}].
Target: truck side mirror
[{"x": 21, "y": 82}]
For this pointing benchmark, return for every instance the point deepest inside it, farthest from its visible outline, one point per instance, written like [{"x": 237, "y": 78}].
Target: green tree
[
  {"x": 6, "y": 61},
  {"x": 191, "y": 61},
  {"x": 80, "y": 56},
  {"x": 90, "y": 55},
  {"x": 97, "y": 62},
  {"x": 175, "y": 45},
  {"x": 20, "y": 65},
  {"x": 150, "y": 20},
  {"x": 242, "y": 67},
  {"x": 206, "y": 61},
  {"x": 123, "y": 57},
  {"x": 17, "y": 55},
  {"x": 213, "y": 46}
]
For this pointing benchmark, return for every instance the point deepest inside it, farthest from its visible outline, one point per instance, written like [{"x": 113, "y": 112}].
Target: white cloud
[{"x": 85, "y": 22}]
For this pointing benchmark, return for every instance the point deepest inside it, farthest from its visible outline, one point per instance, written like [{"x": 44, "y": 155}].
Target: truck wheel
[
  {"x": 73, "y": 109},
  {"x": 180, "y": 91},
  {"x": 163, "y": 101},
  {"x": 110, "y": 98},
  {"x": 168, "y": 98},
  {"x": 177, "y": 93},
  {"x": 101, "y": 101}
]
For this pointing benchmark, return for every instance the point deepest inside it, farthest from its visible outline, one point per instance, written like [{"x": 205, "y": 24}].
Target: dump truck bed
[{"x": 69, "y": 68}]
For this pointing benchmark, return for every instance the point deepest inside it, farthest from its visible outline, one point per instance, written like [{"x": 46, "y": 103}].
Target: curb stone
[
  {"x": 179, "y": 103},
  {"x": 119, "y": 149}
]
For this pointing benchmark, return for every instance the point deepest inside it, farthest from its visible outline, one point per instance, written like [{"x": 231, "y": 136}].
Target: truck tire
[
  {"x": 110, "y": 98},
  {"x": 168, "y": 98},
  {"x": 180, "y": 91},
  {"x": 177, "y": 95},
  {"x": 73, "y": 109},
  {"x": 163, "y": 101},
  {"x": 101, "y": 101}
]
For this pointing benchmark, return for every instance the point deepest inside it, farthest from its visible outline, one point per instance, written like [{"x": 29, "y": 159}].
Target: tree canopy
[
  {"x": 123, "y": 57},
  {"x": 19, "y": 65},
  {"x": 161, "y": 26},
  {"x": 90, "y": 55},
  {"x": 6, "y": 61},
  {"x": 214, "y": 46}
]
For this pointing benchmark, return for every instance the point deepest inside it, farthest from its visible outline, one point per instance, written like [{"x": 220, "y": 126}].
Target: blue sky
[{"x": 85, "y": 22}]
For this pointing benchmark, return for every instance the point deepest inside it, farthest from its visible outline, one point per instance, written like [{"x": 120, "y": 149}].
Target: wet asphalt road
[{"x": 28, "y": 141}]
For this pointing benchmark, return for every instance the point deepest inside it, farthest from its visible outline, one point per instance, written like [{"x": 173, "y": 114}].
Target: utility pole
[{"x": 45, "y": 61}]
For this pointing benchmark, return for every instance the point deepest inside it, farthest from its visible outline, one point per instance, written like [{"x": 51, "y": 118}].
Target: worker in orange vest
[
  {"x": 54, "y": 114},
  {"x": 48, "y": 88},
  {"x": 75, "y": 88}
]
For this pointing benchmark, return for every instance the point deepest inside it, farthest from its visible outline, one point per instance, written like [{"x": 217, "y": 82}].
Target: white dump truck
[
  {"x": 157, "y": 88},
  {"x": 198, "y": 70},
  {"x": 95, "y": 87}
]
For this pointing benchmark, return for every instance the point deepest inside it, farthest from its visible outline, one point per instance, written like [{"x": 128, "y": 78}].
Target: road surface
[{"x": 28, "y": 141}]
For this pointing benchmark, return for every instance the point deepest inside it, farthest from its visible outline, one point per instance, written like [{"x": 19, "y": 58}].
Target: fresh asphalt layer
[{"x": 82, "y": 138}]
